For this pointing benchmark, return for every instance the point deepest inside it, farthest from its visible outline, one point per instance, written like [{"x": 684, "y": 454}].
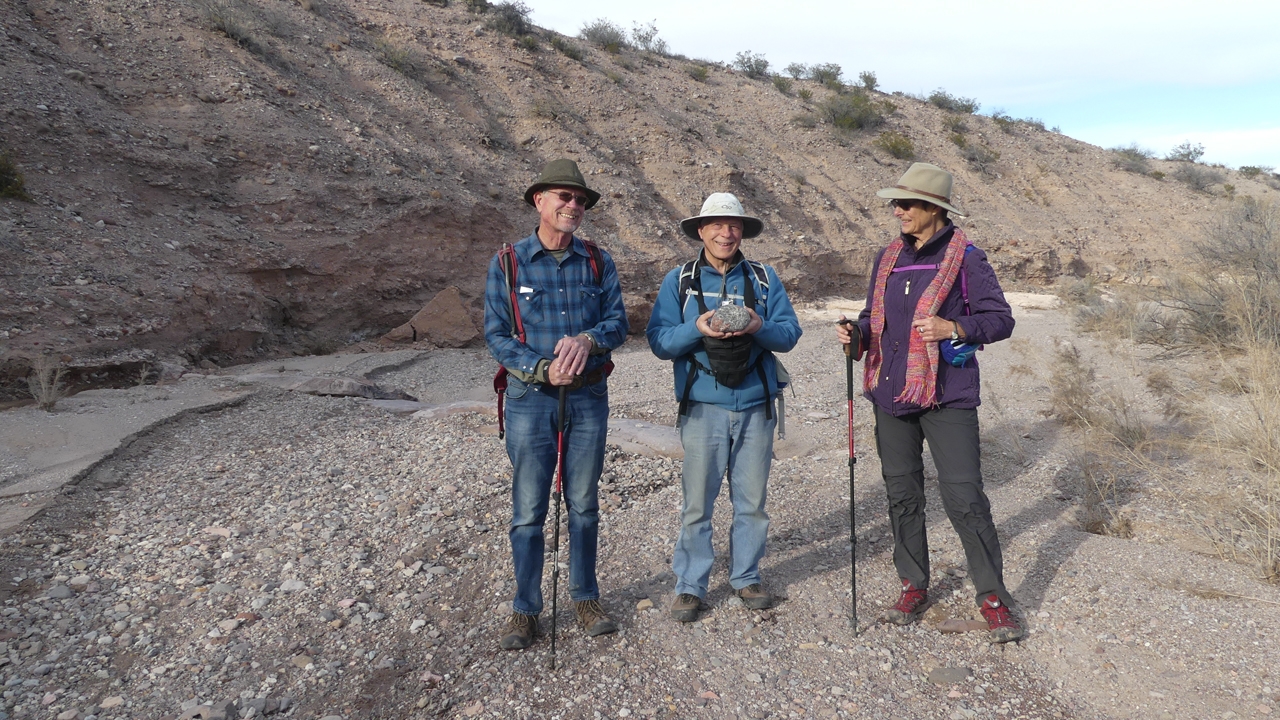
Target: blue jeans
[
  {"x": 716, "y": 439},
  {"x": 531, "y": 421}
]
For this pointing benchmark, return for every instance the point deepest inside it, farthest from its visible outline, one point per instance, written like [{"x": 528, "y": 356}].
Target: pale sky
[{"x": 1106, "y": 72}]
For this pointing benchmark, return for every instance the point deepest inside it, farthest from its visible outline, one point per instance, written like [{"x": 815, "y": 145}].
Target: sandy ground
[{"x": 320, "y": 558}]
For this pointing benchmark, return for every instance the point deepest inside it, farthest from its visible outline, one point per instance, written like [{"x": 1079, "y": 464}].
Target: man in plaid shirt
[{"x": 571, "y": 322}]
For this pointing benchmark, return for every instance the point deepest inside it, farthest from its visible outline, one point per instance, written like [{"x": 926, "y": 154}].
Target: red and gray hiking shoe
[
  {"x": 1004, "y": 627},
  {"x": 913, "y": 601}
]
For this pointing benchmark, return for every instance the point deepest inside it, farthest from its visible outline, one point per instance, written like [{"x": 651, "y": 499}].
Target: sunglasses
[
  {"x": 904, "y": 204},
  {"x": 569, "y": 198}
]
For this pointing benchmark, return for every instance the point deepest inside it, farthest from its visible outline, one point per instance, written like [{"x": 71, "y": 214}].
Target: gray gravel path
[{"x": 318, "y": 558}]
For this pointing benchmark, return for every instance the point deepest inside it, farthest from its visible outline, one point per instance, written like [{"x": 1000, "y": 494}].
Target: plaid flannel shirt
[{"x": 556, "y": 299}]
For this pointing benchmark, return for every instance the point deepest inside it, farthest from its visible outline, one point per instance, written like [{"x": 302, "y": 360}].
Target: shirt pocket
[
  {"x": 589, "y": 306},
  {"x": 531, "y": 301}
]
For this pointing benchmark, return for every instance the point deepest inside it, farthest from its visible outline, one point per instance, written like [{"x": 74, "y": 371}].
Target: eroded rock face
[{"x": 444, "y": 322}]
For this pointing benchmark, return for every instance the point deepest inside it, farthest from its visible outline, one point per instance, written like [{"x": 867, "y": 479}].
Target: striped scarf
[{"x": 922, "y": 357}]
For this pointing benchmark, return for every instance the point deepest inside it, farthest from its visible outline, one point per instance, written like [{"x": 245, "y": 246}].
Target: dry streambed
[{"x": 314, "y": 557}]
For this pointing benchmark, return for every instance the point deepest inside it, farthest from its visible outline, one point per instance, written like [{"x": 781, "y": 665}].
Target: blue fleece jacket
[{"x": 673, "y": 333}]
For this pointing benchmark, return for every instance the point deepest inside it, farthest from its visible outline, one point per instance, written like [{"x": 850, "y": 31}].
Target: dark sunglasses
[
  {"x": 904, "y": 204},
  {"x": 568, "y": 198}
]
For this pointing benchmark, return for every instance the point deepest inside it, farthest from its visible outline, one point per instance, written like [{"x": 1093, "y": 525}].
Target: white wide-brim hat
[
  {"x": 926, "y": 182},
  {"x": 722, "y": 205}
]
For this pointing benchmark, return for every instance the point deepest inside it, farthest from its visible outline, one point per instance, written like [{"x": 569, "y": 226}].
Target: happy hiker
[
  {"x": 568, "y": 316},
  {"x": 726, "y": 378},
  {"x": 932, "y": 301}
]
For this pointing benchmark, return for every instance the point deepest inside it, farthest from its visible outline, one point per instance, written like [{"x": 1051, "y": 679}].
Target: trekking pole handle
[{"x": 854, "y": 348}]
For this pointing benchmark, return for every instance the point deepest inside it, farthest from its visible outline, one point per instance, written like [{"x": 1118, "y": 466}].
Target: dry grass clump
[
  {"x": 12, "y": 184},
  {"x": 1101, "y": 486},
  {"x": 45, "y": 382}
]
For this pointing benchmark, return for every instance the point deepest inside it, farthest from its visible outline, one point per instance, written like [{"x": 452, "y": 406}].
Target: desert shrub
[
  {"x": 624, "y": 63},
  {"x": 1035, "y": 123},
  {"x": 959, "y": 140},
  {"x": 646, "y": 38},
  {"x": 805, "y": 94},
  {"x": 1003, "y": 121},
  {"x": 1186, "y": 152},
  {"x": 1229, "y": 295},
  {"x": 1157, "y": 174},
  {"x": 1132, "y": 158},
  {"x": 1253, "y": 171},
  {"x": 393, "y": 56},
  {"x": 796, "y": 70},
  {"x": 1100, "y": 492},
  {"x": 232, "y": 20},
  {"x": 1071, "y": 387},
  {"x": 868, "y": 80},
  {"x": 721, "y": 128},
  {"x": 606, "y": 35},
  {"x": 783, "y": 84},
  {"x": 1197, "y": 177},
  {"x": 615, "y": 76},
  {"x": 12, "y": 184},
  {"x": 828, "y": 74},
  {"x": 566, "y": 48},
  {"x": 697, "y": 72},
  {"x": 942, "y": 99},
  {"x": 955, "y": 124},
  {"x": 510, "y": 18},
  {"x": 45, "y": 382},
  {"x": 981, "y": 158},
  {"x": 752, "y": 65},
  {"x": 479, "y": 7},
  {"x": 896, "y": 144},
  {"x": 805, "y": 121},
  {"x": 854, "y": 111}
]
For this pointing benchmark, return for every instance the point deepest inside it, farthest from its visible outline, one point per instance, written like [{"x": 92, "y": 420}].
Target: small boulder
[{"x": 444, "y": 322}]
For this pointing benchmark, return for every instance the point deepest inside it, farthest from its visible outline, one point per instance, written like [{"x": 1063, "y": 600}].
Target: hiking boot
[
  {"x": 754, "y": 597},
  {"x": 912, "y": 602},
  {"x": 521, "y": 630},
  {"x": 1004, "y": 626},
  {"x": 685, "y": 608},
  {"x": 592, "y": 618}
]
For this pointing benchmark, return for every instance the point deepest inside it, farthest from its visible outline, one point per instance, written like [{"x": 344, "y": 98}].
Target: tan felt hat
[{"x": 926, "y": 182}]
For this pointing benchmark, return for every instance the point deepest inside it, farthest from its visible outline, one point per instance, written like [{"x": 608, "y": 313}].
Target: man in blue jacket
[
  {"x": 572, "y": 316},
  {"x": 726, "y": 378}
]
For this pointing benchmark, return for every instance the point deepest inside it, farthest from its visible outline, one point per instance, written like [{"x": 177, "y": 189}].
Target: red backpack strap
[
  {"x": 596, "y": 258},
  {"x": 507, "y": 261}
]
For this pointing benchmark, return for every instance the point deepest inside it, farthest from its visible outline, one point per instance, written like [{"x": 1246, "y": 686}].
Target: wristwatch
[{"x": 955, "y": 330}]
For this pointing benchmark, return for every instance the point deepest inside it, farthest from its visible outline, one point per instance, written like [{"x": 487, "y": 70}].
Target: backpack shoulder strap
[
  {"x": 686, "y": 284},
  {"x": 596, "y": 258},
  {"x": 762, "y": 278},
  {"x": 507, "y": 261}
]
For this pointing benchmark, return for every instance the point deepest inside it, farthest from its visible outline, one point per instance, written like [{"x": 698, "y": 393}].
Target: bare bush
[
  {"x": 1132, "y": 158},
  {"x": 646, "y": 38},
  {"x": 510, "y": 18},
  {"x": 868, "y": 80},
  {"x": 1197, "y": 177},
  {"x": 1186, "y": 152},
  {"x": 12, "y": 184},
  {"x": 1100, "y": 493},
  {"x": 828, "y": 74},
  {"x": 45, "y": 382},
  {"x": 796, "y": 70},
  {"x": 782, "y": 84},
  {"x": 981, "y": 158},
  {"x": 1071, "y": 387},
  {"x": 942, "y": 99},
  {"x": 606, "y": 35},
  {"x": 752, "y": 65},
  {"x": 1229, "y": 297},
  {"x": 854, "y": 111}
]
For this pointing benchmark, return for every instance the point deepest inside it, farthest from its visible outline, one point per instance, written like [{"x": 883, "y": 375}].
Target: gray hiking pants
[{"x": 953, "y": 439}]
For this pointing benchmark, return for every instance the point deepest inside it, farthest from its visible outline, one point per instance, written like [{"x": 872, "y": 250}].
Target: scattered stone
[
  {"x": 645, "y": 604},
  {"x": 445, "y": 321},
  {"x": 949, "y": 675},
  {"x": 290, "y": 586},
  {"x": 957, "y": 625},
  {"x": 59, "y": 592},
  {"x": 302, "y": 661},
  {"x": 111, "y": 702}
]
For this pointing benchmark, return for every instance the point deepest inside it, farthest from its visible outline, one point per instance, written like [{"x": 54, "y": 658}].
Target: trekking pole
[
  {"x": 555, "y": 543},
  {"x": 852, "y": 351}
]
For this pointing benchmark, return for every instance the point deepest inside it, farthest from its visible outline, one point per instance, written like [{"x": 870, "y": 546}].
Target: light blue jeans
[
  {"x": 716, "y": 440},
  {"x": 531, "y": 420}
]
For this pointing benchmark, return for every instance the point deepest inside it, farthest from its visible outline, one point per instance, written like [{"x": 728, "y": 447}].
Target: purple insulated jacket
[{"x": 991, "y": 320}]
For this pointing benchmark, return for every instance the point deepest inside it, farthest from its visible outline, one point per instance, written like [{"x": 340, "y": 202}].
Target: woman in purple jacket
[{"x": 933, "y": 299}]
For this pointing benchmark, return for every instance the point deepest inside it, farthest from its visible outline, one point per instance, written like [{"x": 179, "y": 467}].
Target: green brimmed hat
[
  {"x": 926, "y": 182},
  {"x": 563, "y": 172}
]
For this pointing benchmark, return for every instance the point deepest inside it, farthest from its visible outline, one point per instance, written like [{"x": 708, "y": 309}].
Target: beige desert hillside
[{"x": 224, "y": 180}]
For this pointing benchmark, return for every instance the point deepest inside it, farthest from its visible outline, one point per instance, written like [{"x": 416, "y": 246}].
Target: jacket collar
[{"x": 942, "y": 237}]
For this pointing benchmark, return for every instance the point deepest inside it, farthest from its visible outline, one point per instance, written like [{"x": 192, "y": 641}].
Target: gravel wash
[{"x": 310, "y": 557}]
